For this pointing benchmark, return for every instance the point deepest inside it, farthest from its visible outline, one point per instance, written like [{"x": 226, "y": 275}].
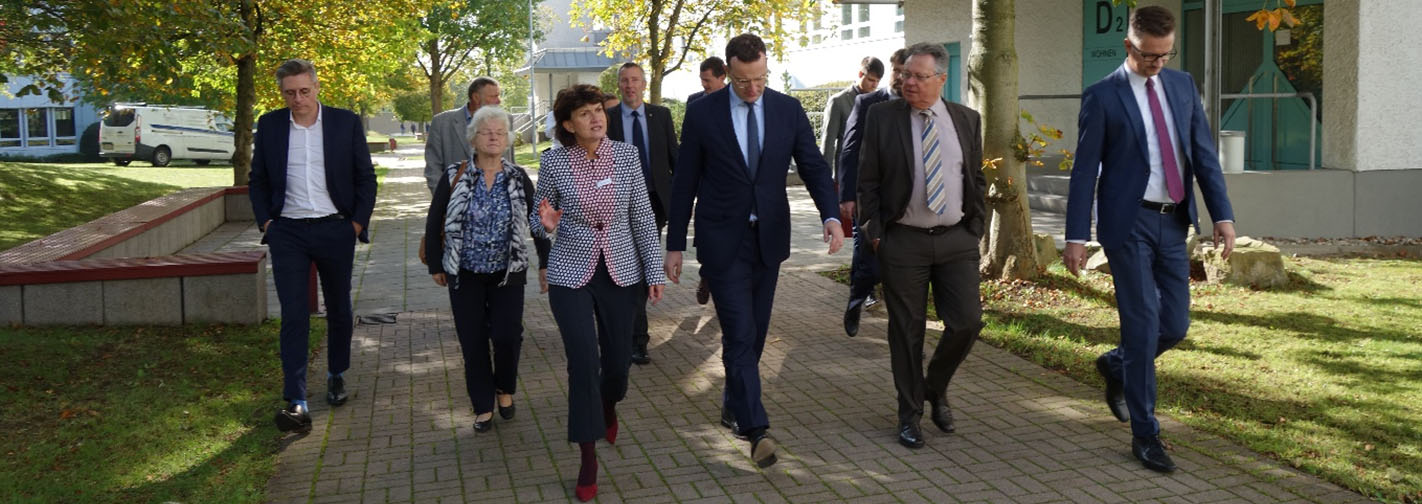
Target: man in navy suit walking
[
  {"x": 313, "y": 189},
  {"x": 736, "y": 147},
  {"x": 1145, "y": 127}
]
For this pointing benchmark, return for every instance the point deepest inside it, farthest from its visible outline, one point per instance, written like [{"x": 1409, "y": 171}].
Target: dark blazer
[
  {"x": 853, "y": 135},
  {"x": 711, "y": 172},
  {"x": 1112, "y": 135},
  {"x": 887, "y": 163},
  {"x": 695, "y": 96},
  {"x": 661, "y": 143},
  {"x": 439, "y": 206},
  {"x": 350, "y": 177}
]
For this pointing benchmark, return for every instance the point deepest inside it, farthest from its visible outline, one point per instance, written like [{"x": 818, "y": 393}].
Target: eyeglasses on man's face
[
  {"x": 745, "y": 83},
  {"x": 1151, "y": 57},
  {"x": 921, "y": 77}
]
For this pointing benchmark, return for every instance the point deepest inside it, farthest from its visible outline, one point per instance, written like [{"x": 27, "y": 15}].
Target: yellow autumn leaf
[
  {"x": 1260, "y": 18},
  {"x": 1274, "y": 19},
  {"x": 1290, "y": 3},
  {"x": 1290, "y": 20}
]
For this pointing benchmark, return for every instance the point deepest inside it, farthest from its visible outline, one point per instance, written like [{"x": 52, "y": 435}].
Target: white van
[{"x": 162, "y": 133}]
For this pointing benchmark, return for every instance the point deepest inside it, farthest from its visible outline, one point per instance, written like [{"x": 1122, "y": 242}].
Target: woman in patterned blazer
[
  {"x": 482, "y": 210},
  {"x": 592, "y": 191}
]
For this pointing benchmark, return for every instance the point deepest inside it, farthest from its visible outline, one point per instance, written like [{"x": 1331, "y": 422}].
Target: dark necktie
[
  {"x": 641, "y": 144},
  {"x": 752, "y": 141},
  {"x": 1167, "y": 146}
]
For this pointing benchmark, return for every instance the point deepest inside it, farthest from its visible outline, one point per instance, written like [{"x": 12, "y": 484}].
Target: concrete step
[
  {"x": 1054, "y": 184},
  {"x": 1054, "y": 203}
]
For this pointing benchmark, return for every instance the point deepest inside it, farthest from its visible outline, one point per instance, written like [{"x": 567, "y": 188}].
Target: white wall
[{"x": 1371, "y": 100}]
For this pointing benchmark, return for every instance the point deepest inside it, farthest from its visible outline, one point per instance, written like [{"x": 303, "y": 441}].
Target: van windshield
[{"x": 118, "y": 117}]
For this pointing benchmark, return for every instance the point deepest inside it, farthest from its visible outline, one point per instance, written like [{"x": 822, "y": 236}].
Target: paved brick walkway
[{"x": 1025, "y": 434}]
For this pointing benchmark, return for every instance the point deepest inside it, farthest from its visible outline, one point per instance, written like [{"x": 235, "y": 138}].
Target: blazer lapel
[
  {"x": 1133, "y": 111},
  {"x": 282, "y": 139},
  {"x": 721, "y": 116},
  {"x": 327, "y": 151},
  {"x": 965, "y": 145},
  {"x": 1180, "y": 107},
  {"x": 614, "y": 124},
  {"x": 906, "y": 138}
]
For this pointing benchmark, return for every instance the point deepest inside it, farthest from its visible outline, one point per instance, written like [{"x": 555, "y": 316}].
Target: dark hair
[
  {"x": 630, "y": 64},
  {"x": 569, "y": 99},
  {"x": 296, "y": 66},
  {"x": 478, "y": 85},
  {"x": 715, "y": 65},
  {"x": 899, "y": 57},
  {"x": 872, "y": 66},
  {"x": 1153, "y": 20},
  {"x": 746, "y": 47}
]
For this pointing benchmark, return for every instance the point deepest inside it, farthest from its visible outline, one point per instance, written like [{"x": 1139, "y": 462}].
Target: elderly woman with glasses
[
  {"x": 482, "y": 210},
  {"x": 591, "y": 190}
]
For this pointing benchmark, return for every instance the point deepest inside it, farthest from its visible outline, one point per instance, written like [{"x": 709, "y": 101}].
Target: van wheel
[
  {"x": 202, "y": 162},
  {"x": 162, "y": 156},
  {"x": 121, "y": 162}
]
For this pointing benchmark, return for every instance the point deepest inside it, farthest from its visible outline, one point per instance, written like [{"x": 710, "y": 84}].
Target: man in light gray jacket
[
  {"x": 838, "y": 107},
  {"x": 446, "y": 144}
]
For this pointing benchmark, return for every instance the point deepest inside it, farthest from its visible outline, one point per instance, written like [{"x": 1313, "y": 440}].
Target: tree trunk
[
  {"x": 654, "y": 83},
  {"x": 242, "y": 124},
  {"x": 435, "y": 77},
  {"x": 992, "y": 74}
]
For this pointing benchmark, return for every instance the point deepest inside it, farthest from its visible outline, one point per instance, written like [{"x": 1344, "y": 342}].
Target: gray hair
[
  {"x": 940, "y": 55},
  {"x": 296, "y": 66},
  {"x": 485, "y": 114}
]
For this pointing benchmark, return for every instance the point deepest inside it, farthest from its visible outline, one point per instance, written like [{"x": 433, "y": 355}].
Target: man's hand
[
  {"x": 543, "y": 280},
  {"x": 357, "y": 227},
  {"x": 847, "y": 208},
  {"x": 672, "y": 265},
  {"x": 654, "y": 293},
  {"x": 834, "y": 235},
  {"x": 267, "y": 226},
  {"x": 1074, "y": 257},
  {"x": 439, "y": 279},
  {"x": 875, "y": 244},
  {"x": 1224, "y": 231}
]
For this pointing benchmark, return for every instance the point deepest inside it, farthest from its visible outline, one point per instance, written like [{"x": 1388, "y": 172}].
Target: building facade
[{"x": 35, "y": 126}]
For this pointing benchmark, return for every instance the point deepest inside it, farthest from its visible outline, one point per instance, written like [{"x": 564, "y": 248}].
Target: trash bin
[{"x": 1232, "y": 151}]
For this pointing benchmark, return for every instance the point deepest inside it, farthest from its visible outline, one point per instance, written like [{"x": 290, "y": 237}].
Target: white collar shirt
[
  {"x": 1155, "y": 186},
  {"x": 306, "y": 193}
]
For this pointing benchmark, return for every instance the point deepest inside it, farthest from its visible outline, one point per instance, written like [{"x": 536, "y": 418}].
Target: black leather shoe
[
  {"x": 703, "y": 293},
  {"x": 852, "y": 314},
  {"x": 910, "y": 436},
  {"x": 1151, "y": 453},
  {"x": 1115, "y": 391},
  {"x": 640, "y": 357},
  {"x": 940, "y": 413},
  {"x": 763, "y": 450},
  {"x": 485, "y": 425},
  {"x": 294, "y": 418},
  {"x": 729, "y": 421},
  {"x": 336, "y": 391},
  {"x": 507, "y": 412}
]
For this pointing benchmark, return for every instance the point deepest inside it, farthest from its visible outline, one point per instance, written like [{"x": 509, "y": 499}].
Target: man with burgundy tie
[
  {"x": 649, "y": 128},
  {"x": 921, "y": 208},
  {"x": 1146, "y": 128}
]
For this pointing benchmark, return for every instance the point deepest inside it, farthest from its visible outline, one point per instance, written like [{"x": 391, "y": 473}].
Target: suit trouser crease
[
  {"x": 1151, "y": 271},
  {"x": 294, "y": 246},
  {"x": 485, "y": 314},
  {"x": 744, "y": 290},
  {"x": 599, "y": 354},
  {"x": 910, "y": 263}
]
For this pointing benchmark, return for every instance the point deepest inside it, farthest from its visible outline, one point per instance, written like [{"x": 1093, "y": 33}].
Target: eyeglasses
[
  {"x": 744, "y": 83},
  {"x": 1150, "y": 57},
  {"x": 906, "y": 75}
]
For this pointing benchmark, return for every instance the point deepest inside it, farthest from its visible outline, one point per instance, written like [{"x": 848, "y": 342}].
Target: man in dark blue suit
[
  {"x": 736, "y": 147},
  {"x": 312, "y": 190},
  {"x": 1145, "y": 127},
  {"x": 863, "y": 267}
]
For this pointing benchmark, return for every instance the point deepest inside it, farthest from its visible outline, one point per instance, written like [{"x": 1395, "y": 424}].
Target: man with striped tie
[{"x": 921, "y": 207}]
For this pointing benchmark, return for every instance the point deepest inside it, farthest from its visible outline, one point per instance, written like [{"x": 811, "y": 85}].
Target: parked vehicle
[{"x": 162, "y": 133}]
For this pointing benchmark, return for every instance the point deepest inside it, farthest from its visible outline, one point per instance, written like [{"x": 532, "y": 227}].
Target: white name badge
[{"x": 604, "y": 182}]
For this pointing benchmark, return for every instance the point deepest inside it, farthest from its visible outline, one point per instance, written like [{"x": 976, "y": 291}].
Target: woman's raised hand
[{"x": 548, "y": 216}]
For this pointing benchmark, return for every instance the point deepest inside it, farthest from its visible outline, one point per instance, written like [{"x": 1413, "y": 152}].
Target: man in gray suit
[
  {"x": 838, "y": 107},
  {"x": 446, "y": 144}
]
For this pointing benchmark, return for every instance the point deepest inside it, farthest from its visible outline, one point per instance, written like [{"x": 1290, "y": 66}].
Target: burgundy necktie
[{"x": 1167, "y": 146}]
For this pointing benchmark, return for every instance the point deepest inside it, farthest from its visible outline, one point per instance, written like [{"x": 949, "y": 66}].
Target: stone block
[
  {"x": 143, "y": 301},
  {"x": 76, "y": 303},
  {"x": 1046, "y": 249},
  {"x": 1253, "y": 263},
  {"x": 1097, "y": 262},
  {"x": 11, "y": 305},
  {"x": 232, "y": 299},
  {"x": 239, "y": 207}
]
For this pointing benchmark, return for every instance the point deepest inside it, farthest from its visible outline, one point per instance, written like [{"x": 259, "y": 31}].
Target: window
[
  {"x": 37, "y": 125},
  {"x": 899, "y": 26},
  {"x": 863, "y": 13},
  {"x": 846, "y": 34},
  {"x": 863, "y": 32},
  {"x": 900, "y": 11},
  {"x": 846, "y": 15},
  {"x": 9, "y": 127},
  {"x": 63, "y": 125}
]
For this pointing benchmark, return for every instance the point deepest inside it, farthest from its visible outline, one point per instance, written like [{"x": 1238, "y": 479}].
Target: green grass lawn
[
  {"x": 139, "y": 414},
  {"x": 41, "y": 198},
  {"x": 1324, "y": 375},
  {"x": 529, "y": 160}
]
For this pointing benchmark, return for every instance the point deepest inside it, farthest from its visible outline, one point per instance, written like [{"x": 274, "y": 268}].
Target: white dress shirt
[
  {"x": 306, "y": 195},
  {"x": 1155, "y": 187},
  {"x": 917, "y": 213}
]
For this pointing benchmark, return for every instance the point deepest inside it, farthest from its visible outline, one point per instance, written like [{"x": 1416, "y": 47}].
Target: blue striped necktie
[{"x": 932, "y": 165}]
